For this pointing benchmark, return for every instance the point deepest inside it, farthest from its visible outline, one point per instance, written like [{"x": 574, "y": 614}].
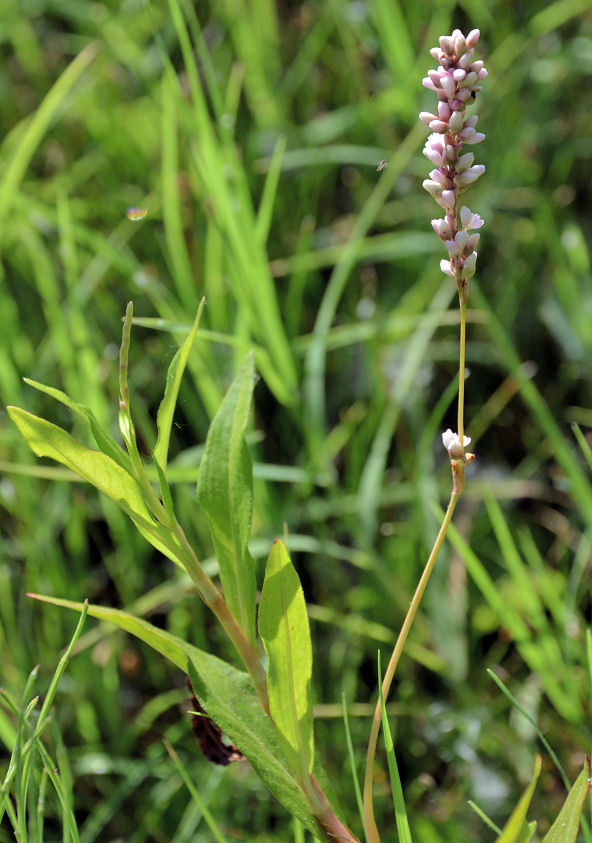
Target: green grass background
[{"x": 251, "y": 131}]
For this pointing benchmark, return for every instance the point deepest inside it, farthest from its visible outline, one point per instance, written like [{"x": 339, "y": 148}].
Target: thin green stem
[
  {"x": 372, "y": 834},
  {"x": 461, "y": 368}
]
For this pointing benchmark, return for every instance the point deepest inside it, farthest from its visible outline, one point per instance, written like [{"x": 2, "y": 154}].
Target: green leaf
[
  {"x": 516, "y": 828},
  {"x": 225, "y": 493},
  {"x": 164, "y": 419},
  {"x": 565, "y": 828},
  {"x": 105, "y": 442},
  {"x": 403, "y": 829},
  {"x": 283, "y": 626},
  {"x": 48, "y": 440},
  {"x": 228, "y": 696}
]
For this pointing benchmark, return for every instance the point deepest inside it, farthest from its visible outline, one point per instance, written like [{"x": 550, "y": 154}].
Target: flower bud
[
  {"x": 459, "y": 74},
  {"x": 442, "y": 229},
  {"x": 471, "y": 122},
  {"x": 460, "y": 238},
  {"x": 427, "y": 83},
  {"x": 448, "y": 85},
  {"x": 460, "y": 44},
  {"x": 455, "y": 122},
  {"x": 448, "y": 199},
  {"x": 452, "y": 247},
  {"x": 436, "y": 53},
  {"x": 443, "y": 111},
  {"x": 426, "y": 117},
  {"x": 446, "y": 44},
  {"x": 439, "y": 126},
  {"x": 471, "y": 175},
  {"x": 432, "y": 155},
  {"x": 472, "y": 38},
  {"x": 477, "y": 137},
  {"x": 463, "y": 94},
  {"x": 445, "y": 267},
  {"x": 464, "y": 62},
  {"x": 471, "y": 243},
  {"x": 450, "y": 153},
  {"x": 440, "y": 178},
  {"x": 464, "y": 162},
  {"x": 435, "y": 77},
  {"x": 433, "y": 188},
  {"x": 470, "y": 265},
  {"x": 476, "y": 66},
  {"x": 482, "y": 74},
  {"x": 469, "y": 80}
]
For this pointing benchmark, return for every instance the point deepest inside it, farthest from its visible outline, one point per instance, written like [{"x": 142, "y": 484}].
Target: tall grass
[{"x": 252, "y": 133}]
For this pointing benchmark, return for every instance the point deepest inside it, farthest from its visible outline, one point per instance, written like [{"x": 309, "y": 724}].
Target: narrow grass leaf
[
  {"x": 225, "y": 493},
  {"x": 482, "y": 815},
  {"x": 283, "y": 626},
  {"x": 516, "y": 827},
  {"x": 533, "y": 723},
  {"x": 403, "y": 829},
  {"x": 566, "y": 826},
  {"x": 195, "y": 795},
  {"x": 164, "y": 419},
  {"x": 352, "y": 760}
]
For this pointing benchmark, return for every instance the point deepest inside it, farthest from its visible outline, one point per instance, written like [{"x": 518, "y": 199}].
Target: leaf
[
  {"x": 283, "y": 626},
  {"x": 105, "y": 442},
  {"x": 403, "y": 830},
  {"x": 48, "y": 440},
  {"x": 164, "y": 419},
  {"x": 516, "y": 828},
  {"x": 565, "y": 828},
  {"x": 228, "y": 696},
  {"x": 225, "y": 493}
]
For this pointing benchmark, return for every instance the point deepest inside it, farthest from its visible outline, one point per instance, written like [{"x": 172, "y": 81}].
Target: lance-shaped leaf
[
  {"x": 103, "y": 439},
  {"x": 48, "y": 440},
  {"x": 225, "y": 493},
  {"x": 228, "y": 697},
  {"x": 283, "y": 626},
  {"x": 164, "y": 419},
  {"x": 566, "y": 826}
]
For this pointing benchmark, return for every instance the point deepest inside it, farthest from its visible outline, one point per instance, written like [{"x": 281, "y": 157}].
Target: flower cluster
[{"x": 456, "y": 82}]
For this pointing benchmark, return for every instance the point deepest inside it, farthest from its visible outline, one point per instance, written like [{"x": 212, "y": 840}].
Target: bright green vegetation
[{"x": 252, "y": 133}]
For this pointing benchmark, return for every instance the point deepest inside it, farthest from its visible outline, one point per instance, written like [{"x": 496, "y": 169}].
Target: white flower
[{"x": 452, "y": 444}]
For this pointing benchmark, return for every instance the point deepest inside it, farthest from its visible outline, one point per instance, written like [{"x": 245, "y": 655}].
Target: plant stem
[
  {"x": 461, "y": 366},
  {"x": 214, "y": 600},
  {"x": 372, "y": 834}
]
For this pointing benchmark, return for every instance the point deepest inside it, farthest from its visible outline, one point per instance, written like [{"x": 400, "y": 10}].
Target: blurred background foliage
[{"x": 252, "y": 130}]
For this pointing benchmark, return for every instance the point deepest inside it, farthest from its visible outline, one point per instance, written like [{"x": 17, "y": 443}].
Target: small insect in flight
[
  {"x": 135, "y": 214},
  {"x": 381, "y": 165}
]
